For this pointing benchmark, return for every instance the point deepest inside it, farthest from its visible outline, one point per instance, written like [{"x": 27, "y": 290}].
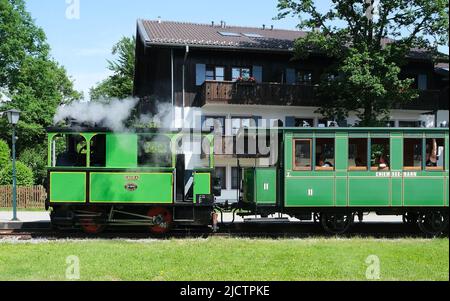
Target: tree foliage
[
  {"x": 36, "y": 159},
  {"x": 29, "y": 79},
  {"x": 5, "y": 154},
  {"x": 120, "y": 83},
  {"x": 23, "y": 173},
  {"x": 369, "y": 41}
]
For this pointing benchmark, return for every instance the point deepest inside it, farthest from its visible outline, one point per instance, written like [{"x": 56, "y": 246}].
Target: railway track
[{"x": 237, "y": 230}]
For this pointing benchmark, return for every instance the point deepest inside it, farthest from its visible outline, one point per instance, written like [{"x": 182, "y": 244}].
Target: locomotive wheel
[
  {"x": 433, "y": 223},
  {"x": 162, "y": 218},
  {"x": 94, "y": 223},
  {"x": 336, "y": 223},
  {"x": 410, "y": 218}
]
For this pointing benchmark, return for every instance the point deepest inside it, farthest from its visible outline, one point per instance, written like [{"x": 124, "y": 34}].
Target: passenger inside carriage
[
  {"x": 434, "y": 159},
  {"x": 431, "y": 158},
  {"x": 325, "y": 153}
]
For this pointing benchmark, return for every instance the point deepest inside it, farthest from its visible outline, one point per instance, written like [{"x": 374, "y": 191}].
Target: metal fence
[{"x": 30, "y": 197}]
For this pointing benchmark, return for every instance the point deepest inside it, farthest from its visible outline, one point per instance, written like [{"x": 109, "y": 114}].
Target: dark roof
[
  {"x": 442, "y": 66},
  {"x": 173, "y": 34},
  {"x": 203, "y": 35}
]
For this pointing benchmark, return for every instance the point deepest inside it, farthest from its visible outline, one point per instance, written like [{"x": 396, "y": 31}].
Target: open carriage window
[
  {"x": 412, "y": 154},
  {"x": 325, "y": 154},
  {"x": 380, "y": 154},
  {"x": 68, "y": 150},
  {"x": 357, "y": 154},
  {"x": 434, "y": 159},
  {"x": 154, "y": 151},
  {"x": 302, "y": 154},
  {"x": 98, "y": 151}
]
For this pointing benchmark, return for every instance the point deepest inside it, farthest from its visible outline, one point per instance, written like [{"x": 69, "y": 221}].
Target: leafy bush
[
  {"x": 4, "y": 154},
  {"x": 36, "y": 159},
  {"x": 23, "y": 172}
]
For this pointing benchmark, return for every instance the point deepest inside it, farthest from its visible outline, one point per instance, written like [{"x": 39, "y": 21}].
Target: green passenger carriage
[
  {"x": 327, "y": 175},
  {"x": 335, "y": 174}
]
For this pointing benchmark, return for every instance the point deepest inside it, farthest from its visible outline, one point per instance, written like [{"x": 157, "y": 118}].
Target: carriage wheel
[
  {"x": 336, "y": 223},
  {"x": 433, "y": 223},
  {"x": 93, "y": 224},
  {"x": 162, "y": 219},
  {"x": 410, "y": 218}
]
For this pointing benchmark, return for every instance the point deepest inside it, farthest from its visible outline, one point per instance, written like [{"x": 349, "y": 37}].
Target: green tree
[
  {"x": 369, "y": 41},
  {"x": 29, "y": 79},
  {"x": 120, "y": 83},
  {"x": 5, "y": 154},
  {"x": 23, "y": 173},
  {"x": 36, "y": 159}
]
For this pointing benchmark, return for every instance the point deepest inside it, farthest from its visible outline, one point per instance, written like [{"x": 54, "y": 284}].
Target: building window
[
  {"x": 390, "y": 124},
  {"x": 215, "y": 73},
  {"x": 380, "y": 154},
  {"x": 240, "y": 72},
  {"x": 238, "y": 123},
  {"x": 235, "y": 177},
  {"x": 324, "y": 154},
  {"x": 221, "y": 173},
  {"x": 304, "y": 122},
  {"x": 412, "y": 154},
  {"x": 216, "y": 122},
  {"x": 422, "y": 82},
  {"x": 302, "y": 154},
  {"x": 434, "y": 159},
  {"x": 357, "y": 154},
  {"x": 409, "y": 124},
  {"x": 303, "y": 77}
]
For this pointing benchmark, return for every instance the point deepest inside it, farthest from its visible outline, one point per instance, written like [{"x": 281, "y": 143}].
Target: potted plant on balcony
[
  {"x": 246, "y": 80},
  {"x": 245, "y": 90}
]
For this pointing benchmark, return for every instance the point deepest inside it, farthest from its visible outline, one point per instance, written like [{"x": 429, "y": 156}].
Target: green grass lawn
[{"x": 227, "y": 259}]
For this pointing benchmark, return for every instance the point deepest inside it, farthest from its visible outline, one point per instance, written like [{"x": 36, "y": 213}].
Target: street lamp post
[{"x": 13, "y": 119}]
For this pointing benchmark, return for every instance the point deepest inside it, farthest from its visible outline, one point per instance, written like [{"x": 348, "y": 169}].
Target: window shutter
[
  {"x": 290, "y": 76},
  {"x": 422, "y": 82},
  {"x": 290, "y": 121},
  {"x": 257, "y": 73},
  {"x": 200, "y": 73}
]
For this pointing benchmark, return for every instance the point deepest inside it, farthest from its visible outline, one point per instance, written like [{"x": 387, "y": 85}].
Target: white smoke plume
[
  {"x": 163, "y": 118},
  {"x": 112, "y": 115}
]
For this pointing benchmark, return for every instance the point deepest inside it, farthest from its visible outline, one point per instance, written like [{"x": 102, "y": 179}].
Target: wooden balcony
[
  {"x": 213, "y": 92},
  {"x": 227, "y": 92},
  {"x": 429, "y": 100}
]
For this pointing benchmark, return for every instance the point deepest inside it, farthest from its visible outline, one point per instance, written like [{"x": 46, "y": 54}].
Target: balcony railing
[
  {"x": 257, "y": 94},
  {"x": 227, "y": 92}
]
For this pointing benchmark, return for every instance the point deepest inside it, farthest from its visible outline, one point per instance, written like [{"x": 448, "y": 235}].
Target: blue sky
[{"x": 83, "y": 45}]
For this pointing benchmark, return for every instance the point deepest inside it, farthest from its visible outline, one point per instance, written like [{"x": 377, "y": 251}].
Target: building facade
[{"x": 231, "y": 77}]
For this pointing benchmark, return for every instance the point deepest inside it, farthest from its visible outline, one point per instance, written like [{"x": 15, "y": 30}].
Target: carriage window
[
  {"x": 154, "y": 151},
  {"x": 434, "y": 159},
  {"x": 221, "y": 173},
  {"x": 302, "y": 154},
  {"x": 357, "y": 154},
  {"x": 69, "y": 150},
  {"x": 412, "y": 154},
  {"x": 325, "y": 154},
  {"x": 380, "y": 154},
  {"x": 98, "y": 151}
]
